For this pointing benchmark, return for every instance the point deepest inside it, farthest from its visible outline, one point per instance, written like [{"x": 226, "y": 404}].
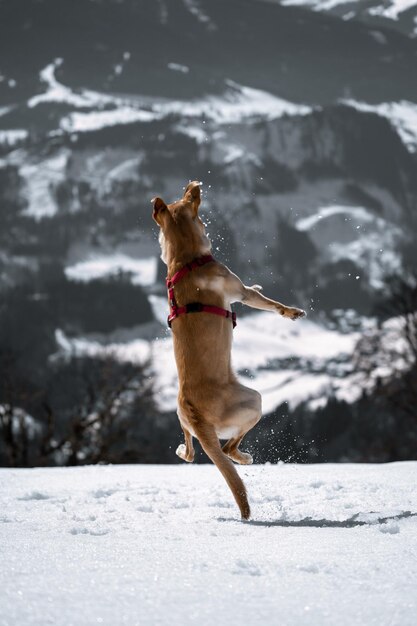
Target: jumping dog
[{"x": 212, "y": 403}]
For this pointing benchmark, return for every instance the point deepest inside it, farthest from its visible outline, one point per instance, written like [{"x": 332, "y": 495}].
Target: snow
[
  {"x": 402, "y": 115},
  {"x": 263, "y": 339},
  {"x": 159, "y": 308},
  {"x": 143, "y": 271},
  {"x": 357, "y": 234},
  {"x": 391, "y": 9},
  {"x": 318, "y": 5},
  {"x": 178, "y": 67},
  {"x": 95, "y": 120},
  {"x": 121, "y": 113},
  {"x": 394, "y": 8},
  {"x": 40, "y": 180},
  {"x": 236, "y": 104},
  {"x": 289, "y": 386},
  {"x": 233, "y": 153},
  {"x": 163, "y": 545},
  {"x": 195, "y": 132},
  {"x": 5, "y": 110},
  {"x": 266, "y": 335},
  {"x": 137, "y": 351},
  {"x": 359, "y": 213},
  {"x": 13, "y": 136},
  {"x": 194, "y": 7},
  {"x": 57, "y": 92},
  {"x": 126, "y": 170}
]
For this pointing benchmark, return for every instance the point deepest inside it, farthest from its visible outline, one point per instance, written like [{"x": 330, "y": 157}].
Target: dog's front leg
[{"x": 252, "y": 297}]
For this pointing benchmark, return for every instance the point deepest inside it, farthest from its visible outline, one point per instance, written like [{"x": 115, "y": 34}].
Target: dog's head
[{"x": 182, "y": 233}]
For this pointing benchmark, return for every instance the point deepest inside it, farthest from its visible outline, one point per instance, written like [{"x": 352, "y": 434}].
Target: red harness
[{"x": 193, "y": 307}]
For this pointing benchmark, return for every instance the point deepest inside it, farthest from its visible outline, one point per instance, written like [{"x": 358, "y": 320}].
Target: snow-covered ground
[{"x": 156, "y": 545}]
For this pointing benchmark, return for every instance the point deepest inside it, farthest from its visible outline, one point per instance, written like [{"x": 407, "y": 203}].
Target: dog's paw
[
  {"x": 243, "y": 458},
  {"x": 293, "y": 313},
  {"x": 257, "y": 287},
  {"x": 181, "y": 451},
  {"x": 246, "y": 458}
]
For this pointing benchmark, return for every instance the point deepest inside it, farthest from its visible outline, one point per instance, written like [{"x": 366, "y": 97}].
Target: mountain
[
  {"x": 301, "y": 126},
  {"x": 185, "y": 48}
]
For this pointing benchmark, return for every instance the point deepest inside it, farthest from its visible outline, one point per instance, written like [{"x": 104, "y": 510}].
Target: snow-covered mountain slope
[
  {"x": 402, "y": 116},
  {"x": 355, "y": 234},
  {"x": 163, "y": 545},
  {"x": 401, "y": 14},
  {"x": 97, "y": 110},
  {"x": 302, "y": 52},
  {"x": 284, "y": 361},
  {"x": 388, "y": 8}
]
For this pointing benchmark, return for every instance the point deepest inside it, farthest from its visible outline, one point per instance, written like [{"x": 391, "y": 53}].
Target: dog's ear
[
  {"x": 192, "y": 193},
  {"x": 159, "y": 207}
]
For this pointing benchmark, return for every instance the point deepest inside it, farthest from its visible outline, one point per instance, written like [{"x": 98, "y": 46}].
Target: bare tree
[
  {"x": 17, "y": 426},
  {"x": 84, "y": 415},
  {"x": 94, "y": 427},
  {"x": 387, "y": 354}
]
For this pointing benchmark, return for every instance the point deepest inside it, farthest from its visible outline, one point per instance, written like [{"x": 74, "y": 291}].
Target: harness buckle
[{"x": 194, "y": 307}]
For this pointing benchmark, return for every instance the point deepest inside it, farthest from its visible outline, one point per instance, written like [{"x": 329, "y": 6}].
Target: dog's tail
[{"x": 209, "y": 441}]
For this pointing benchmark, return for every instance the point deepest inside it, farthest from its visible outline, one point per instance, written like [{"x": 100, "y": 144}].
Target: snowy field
[{"x": 138, "y": 545}]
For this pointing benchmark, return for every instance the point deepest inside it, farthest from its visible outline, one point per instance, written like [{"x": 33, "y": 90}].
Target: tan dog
[{"x": 212, "y": 404}]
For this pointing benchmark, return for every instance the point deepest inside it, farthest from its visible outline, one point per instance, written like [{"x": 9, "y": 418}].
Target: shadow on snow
[{"x": 309, "y": 522}]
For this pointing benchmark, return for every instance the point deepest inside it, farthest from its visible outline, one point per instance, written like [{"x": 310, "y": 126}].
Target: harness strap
[
  {"x": 202, "y": 260},
  {"x": 197, "y": 307},
  {"x": 193, "y": 307}
]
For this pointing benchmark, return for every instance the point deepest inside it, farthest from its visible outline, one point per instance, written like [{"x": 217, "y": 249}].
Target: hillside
[{"x": 139, "y": 46}]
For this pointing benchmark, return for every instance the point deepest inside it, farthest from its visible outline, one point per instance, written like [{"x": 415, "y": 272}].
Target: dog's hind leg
[
  {"x": 231, "y": 448},
  {"x": 252, "y": 412},
  {"x": 186, "y": 451}
]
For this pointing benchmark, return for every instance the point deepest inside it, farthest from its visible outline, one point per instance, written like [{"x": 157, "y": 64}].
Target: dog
[{"x": 212, "y": 403}]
